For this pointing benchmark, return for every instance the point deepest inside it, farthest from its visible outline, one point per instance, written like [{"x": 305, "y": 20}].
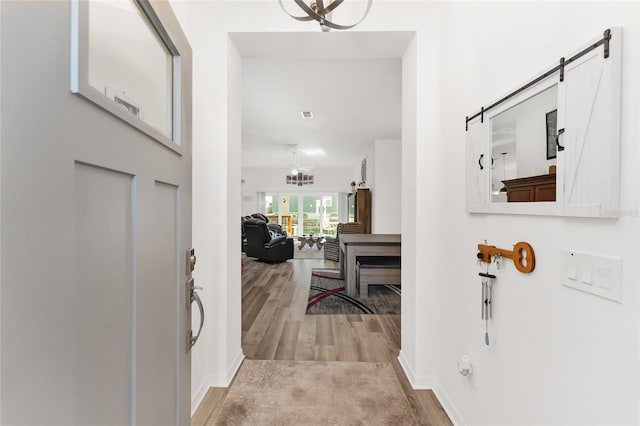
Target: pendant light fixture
[
  {"x": 320, "y": 11},
  {"x": 296, "y": 176}
]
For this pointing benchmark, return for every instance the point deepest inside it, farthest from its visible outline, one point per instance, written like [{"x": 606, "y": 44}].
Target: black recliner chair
[
  {"x": 261, "y": 246},
  {"x": 274, "y": 227}
]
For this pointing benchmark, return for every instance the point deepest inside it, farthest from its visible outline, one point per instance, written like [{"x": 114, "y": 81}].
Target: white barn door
[
  {"x": 589, "y": 112},
  {"x": 95, "y": 221},
  {"x": 478, "y": 166}
]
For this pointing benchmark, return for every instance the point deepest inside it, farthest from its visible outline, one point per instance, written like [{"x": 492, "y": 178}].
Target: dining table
[{"x": 353, "y": 246}]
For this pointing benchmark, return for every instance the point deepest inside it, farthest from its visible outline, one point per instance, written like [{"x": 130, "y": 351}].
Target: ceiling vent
[{"x": 307, "y": 115}]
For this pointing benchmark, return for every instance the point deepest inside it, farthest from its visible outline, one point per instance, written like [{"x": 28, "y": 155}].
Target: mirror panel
[
  {"x": 523, "y": 150},
  {"x": 574, "y": 104}
]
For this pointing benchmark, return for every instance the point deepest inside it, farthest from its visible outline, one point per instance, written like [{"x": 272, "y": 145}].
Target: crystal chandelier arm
[{"x": 298, "y": 18}]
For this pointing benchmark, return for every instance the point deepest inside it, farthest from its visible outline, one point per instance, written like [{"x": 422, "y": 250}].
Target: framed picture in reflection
[{"x": 552, "y": 133}]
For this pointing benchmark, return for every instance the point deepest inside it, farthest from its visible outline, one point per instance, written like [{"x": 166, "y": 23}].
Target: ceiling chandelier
[
  {"x": 318, "y": 11},
  {"x": 297, "y": 177}
]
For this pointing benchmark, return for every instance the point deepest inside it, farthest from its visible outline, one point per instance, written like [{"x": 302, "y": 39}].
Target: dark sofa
[{"x": 261, "y": 245}]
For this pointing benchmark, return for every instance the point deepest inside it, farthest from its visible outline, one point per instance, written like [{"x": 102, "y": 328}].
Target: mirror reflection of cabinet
[
  {"x": 552, "y": 147},
  {"x": 531, "y": 189}
]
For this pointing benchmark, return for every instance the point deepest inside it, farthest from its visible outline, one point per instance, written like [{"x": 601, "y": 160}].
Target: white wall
[
  {"x": 407, "y": 357},
  {"x": 216, "y": 196},
  {"x": 1, "y": 275},
  {"x": 231, "y": 349},
  {"x": 557, "y": 356},
  {"x": 386, "y": 199},
  {"x": 273, "y": 180}
]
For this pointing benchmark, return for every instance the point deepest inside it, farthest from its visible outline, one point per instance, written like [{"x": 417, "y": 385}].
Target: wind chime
[
  {"x": 487, "y": 288},
  {"x": 524, "y": 261}
]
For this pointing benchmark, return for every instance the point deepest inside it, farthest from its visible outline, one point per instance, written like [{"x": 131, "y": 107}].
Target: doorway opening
[{"x": 285, "y": 335}]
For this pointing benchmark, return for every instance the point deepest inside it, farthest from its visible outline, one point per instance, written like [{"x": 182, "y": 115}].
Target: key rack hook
[{"x": 522, "y": 255}]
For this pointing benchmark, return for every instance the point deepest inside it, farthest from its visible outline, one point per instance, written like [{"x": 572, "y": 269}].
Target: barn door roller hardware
[{"x": 604, "y": 41}]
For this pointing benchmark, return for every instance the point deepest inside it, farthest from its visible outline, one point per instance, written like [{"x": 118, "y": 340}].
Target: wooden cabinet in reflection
[
  {"x": 532, "y": 188},
  {"x": 363, "y": 209}
]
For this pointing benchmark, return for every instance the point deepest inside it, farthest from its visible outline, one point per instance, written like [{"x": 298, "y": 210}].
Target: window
[
  {"x": 309, "y": 214},
  {"x": 125, "y": 62}
]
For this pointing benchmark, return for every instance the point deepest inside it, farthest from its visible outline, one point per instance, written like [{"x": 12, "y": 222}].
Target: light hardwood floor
[{"x": 275, "y": 327}]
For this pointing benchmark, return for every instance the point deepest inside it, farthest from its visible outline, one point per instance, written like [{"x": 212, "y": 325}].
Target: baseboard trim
[
  {"x": 234, "y": 367},
  {"x": 448, "y": 406},
  {"x": 198, "y": 395},
  {"x": 216, "y": 381},
  {"x": 418, "y": 382},
  {"x": 427, "y": 382},
  {"x": 406, "y": 366}
]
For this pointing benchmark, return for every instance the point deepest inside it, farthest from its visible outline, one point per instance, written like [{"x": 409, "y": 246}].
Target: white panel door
[
  {"x": 95, "y": 220},
  {"x": 589, "y": 113}
]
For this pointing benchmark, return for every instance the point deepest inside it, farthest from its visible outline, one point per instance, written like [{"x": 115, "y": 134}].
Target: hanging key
[{"x": 498, "y": 260}]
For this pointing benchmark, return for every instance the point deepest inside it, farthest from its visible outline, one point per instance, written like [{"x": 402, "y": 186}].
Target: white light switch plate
[{"x": 592, "y": 273}]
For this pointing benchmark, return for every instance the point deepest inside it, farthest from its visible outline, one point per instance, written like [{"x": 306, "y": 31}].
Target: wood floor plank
[
  {"x": 288, "y": 340},
  {"x": 347, "y": 348},
  {"x": 299, "y": 301},
  {"x": 210, "y": 407},
  {"x": 324, "y": 330},
  {"x": 369, "y": 347},
  {"x": 269, "y": 343},
  {"x": 305, "y": 347},
  {"x": 372, "y": 324},
  {"x": 263, "y": 320},
  {"x": 354, "y": 318},
  {"x": 432, "y": 408},
  {"x": 326, "y": 353},
  {"x": 391, "y": 326},
  {"x": 418, "y": 409},
  {"x": 252, "y": 303}
]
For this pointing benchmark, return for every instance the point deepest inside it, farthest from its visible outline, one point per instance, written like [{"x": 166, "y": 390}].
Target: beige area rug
[{"x": 316, "y": 393}]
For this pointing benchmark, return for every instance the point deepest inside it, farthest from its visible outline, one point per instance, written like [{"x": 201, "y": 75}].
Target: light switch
[
  {"x": 571, "y": 262},
  {"x": 602, "y": 276},
  {"x": 585, "y": 273},
  {"x": 596, "y": 274}
]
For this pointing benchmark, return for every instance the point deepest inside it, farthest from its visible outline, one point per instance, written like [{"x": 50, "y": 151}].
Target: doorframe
[
  {"x": 217, "y": 175},
  {"x": 408, "y": 356},
  {"x": 0, "y": 211}
]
